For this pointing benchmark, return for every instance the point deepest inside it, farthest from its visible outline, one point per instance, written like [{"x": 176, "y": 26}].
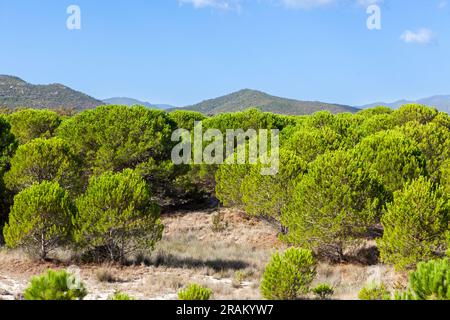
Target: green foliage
[
  {"x": 323, "y": 291},
  {"x": 268, "y": 195},
  {"x": 445, "y": 175},
  {"x": 229, "y": 178},
  {"x": 55, "y": 285},
  {"x": 40, "y": 219},
  {"x": 415, "y": 112},
  {"x": 249, "y": 119},
  {"x": 288, "y": 276},
  {"x": 374, "y": 291},
  {"x": 113, "y": 138},
  {"x": 396, "y": 158},
  {"x": 186, "y": 119},
  {"x": 442, "y": 119},
  {"x": 195, "y": 292},
  {"x": 335, "y": 203},
  {"x": 377, "y": 123},
  {"x": 375, "y": 111},
  {"x": 8, "y": 146},
  {"x": 415, "y": 224},
  {"x": 434, "y": 143},
  {"x": 308, "y": 143},
  {"x": 118, "y": 214},
  {"x": 431, "y": 281},
  {"x": 30, "y": 124},
  {"x": 44, "y": 160},
  {"x": 117, "y": 296}
]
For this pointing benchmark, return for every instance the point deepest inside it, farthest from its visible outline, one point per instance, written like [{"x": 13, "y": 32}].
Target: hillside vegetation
[
  {"x": 14, "y": 93},
  {"x": 244, "y": 99},
  {"x": 96, "y": 184}
]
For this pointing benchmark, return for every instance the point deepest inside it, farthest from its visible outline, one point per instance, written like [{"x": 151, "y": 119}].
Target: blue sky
[{"x": 184, "y": 51}]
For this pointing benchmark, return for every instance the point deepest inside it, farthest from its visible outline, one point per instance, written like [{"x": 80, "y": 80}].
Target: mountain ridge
[
  {"x": 441, "y": 102},
  {"x": 247, "y": 98},
  {"x": 15, "y": 92},
  {"x": 131, "y": 101}
]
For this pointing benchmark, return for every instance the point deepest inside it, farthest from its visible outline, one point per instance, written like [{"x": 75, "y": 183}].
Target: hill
[
  {"x": 15, "y": 92},
  {"x": 131, "y": 102},
  {"x": 246, "y": 98},
  {"x": 441, "y": 102}
]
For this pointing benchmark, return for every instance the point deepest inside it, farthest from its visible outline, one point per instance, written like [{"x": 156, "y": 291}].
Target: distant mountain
[
  {"x": 15, "y": 92},
  {"x": 246, "y": 98},
  {"x": 441, "y": 102},
  {"x": 131, "y": 102}
]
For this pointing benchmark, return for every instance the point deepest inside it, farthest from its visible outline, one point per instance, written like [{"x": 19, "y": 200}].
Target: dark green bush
[
  {"x": 288, "y": 276},
  {"x": 41, "y": 219},
  {"x": 44, "y": 160},
  {"x": 195, "y": 292},
  {"x": 323, "y": 291},
  {"x": 117, "y": 213},
  {"x": 430, "y": 281},
  {"x": 374, "y": 291},
  {"x": 415, "y": 224},
  {"x": 333, "y": 205},
  {"x": 120, "y": 296},
  {"x": 55, "y": 285},
  {"x": 30, "y": 124}
]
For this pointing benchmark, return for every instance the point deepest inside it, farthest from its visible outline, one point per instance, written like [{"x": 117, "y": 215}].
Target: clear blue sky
[{"x": 166, "y": 51}]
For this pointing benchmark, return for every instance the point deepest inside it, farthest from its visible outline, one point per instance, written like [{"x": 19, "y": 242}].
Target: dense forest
[{"x": 97, "y": 181}]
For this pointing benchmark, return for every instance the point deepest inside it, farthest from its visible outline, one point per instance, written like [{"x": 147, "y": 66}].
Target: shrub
[
  {"x": 195, "y": 292},
  {"x": 374, "y": 291},
  {"x": 104, "y": 275},
  {"x": 40, "y": 219},
  {"x": 430, "y": 281},
  {"x": 323, "y": 291},
  {"x": 120, "y": 296},
  {"x": 218, "y": 222},
  {"x": 55, "y": 285},
  {"x": 44, "y": 160},
  {"x": 118, "y": 215},
  {"x": 238, "y": 278},
  {"x": 415, "y": 224},
  {"x": 288, "y": 275}
]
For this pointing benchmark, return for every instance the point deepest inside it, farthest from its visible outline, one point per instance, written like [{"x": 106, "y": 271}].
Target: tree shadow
[{"x": 172, "y": 261}]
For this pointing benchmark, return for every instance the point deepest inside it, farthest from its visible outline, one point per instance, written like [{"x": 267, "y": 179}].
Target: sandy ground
[{"x": 230, "y": 262}]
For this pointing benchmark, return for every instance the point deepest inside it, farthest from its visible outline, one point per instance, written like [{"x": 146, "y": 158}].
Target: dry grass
[
  {"x": 104, "y": 275},
  {"x": 230, "y": 261}
]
